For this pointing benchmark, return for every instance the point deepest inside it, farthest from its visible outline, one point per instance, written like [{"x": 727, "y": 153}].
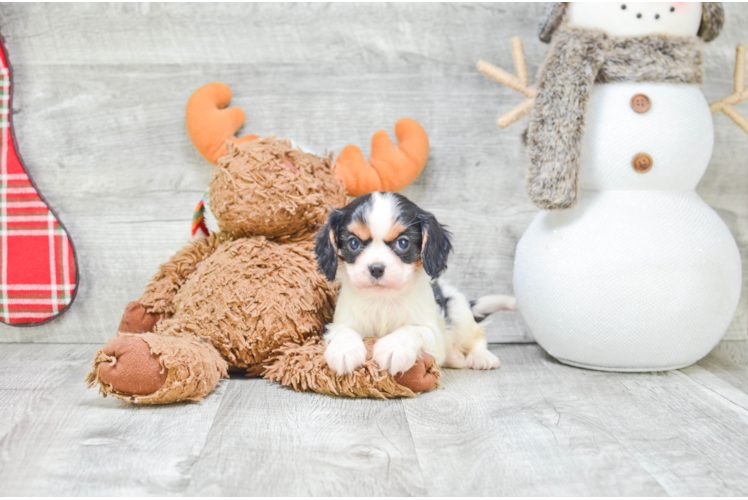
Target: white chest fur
[{"x": 379, "y": 313}]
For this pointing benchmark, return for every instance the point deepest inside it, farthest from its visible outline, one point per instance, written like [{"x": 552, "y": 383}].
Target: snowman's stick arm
[
  {"x": 731, "y": 99},
  {"x": 739, "y": 119},
  {"x": 740, "y": 68},
  {"x": 516, "y": 114},
  {"x": 520, "y": 83},
  {"x": 741, "y": 92},
  {"x": 520, "y": 63},
  {"x": 505, "y": 78}
]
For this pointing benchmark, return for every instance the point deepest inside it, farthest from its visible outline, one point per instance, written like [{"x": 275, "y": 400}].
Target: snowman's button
[
  {"x": 640, "y": 103},
  {"x": 642, "y": 163}
]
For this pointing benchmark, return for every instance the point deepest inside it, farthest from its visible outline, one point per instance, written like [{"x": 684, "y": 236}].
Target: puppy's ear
[
  {"x": 436, "y": 246},
  {"x": 327, "y": 247}
]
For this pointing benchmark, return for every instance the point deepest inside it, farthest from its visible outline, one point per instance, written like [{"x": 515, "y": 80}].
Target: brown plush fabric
[
  {"x": 252, "y": 296},
  {"x": 131, "y": 367},
  {"x": 160, "y": 291},
  {"x": 136, "y": 319},
  {"x": 274, "y": 200},
  {"x": 303, "y": 368},
  {"x": 422, "y": 377},
  {"x": 576, "y": 60},
  {"x": 193, "y": 369}
]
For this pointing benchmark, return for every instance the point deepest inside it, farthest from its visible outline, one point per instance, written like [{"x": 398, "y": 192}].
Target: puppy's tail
[{"x": 490, "y": 304}]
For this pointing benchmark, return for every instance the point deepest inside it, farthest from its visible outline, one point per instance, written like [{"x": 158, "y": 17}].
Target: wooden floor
[{"x": 532, "y": 427}]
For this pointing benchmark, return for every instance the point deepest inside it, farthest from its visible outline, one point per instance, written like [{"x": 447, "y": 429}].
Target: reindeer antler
[
  {"x": 210, "y": 123},
  {"x": 390, "y": 167},
  {"x": 520, "y": 83},
  {"x": 740, "y": 93}
]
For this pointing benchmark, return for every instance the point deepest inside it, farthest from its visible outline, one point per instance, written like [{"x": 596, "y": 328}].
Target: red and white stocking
[{"x": 38, "y": 271}]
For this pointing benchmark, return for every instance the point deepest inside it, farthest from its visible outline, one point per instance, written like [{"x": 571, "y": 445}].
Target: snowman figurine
[{"x": 626, "y": 268}]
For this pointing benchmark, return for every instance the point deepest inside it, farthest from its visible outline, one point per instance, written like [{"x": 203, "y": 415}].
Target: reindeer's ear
[
  {"x": 712, "y": 20},
  {"x": 327, "y": 246},
  {"x": 436, "y": 246},
  {"x": 550, "y": 19}
]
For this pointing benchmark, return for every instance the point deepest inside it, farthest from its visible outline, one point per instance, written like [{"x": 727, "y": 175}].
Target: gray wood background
[{"x": 100, "y": 91}]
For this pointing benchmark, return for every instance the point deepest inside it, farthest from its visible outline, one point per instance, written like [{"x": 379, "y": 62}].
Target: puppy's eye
[
  {"x": 403, "y": 243},
  {"x": 354, "y": 244}
]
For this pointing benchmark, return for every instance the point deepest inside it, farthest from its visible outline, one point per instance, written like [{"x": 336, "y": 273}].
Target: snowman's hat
[{"x": 712, "y": 19}]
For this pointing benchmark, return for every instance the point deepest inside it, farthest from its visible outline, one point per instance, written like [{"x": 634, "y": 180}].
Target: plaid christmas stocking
[{"x": 38, "y": 273}]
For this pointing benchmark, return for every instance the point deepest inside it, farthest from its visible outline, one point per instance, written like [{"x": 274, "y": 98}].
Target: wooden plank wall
[{"x": 99, "y": 103}]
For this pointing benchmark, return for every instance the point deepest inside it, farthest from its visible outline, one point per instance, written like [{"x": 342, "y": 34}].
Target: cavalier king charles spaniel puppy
[{"x": 392, "y": 253}]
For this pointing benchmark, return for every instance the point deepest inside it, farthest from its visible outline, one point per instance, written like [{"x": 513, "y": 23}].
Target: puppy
[{"x": 392, "y": 254}]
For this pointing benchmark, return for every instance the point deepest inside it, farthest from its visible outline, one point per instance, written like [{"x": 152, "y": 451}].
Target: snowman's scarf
[{"x": 576, "y": 60}]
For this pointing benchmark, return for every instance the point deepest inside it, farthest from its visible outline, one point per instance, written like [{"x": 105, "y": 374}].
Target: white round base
[
  {"x": 624, "y": 369},
  {"x": 628, "y": 280}
]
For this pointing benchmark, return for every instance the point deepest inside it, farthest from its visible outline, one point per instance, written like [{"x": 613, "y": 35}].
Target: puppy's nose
[{"x": 376, "y": 270}]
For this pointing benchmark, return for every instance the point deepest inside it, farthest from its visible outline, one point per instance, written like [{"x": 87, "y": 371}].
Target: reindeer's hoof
[
  {"x": 137, "y": 320},
  {"x": 418, "y": 379},
  {"x": 135, "y": 370}
]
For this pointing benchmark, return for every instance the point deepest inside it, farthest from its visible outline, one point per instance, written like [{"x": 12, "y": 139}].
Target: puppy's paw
[
  {"x": 345, "y": 354},
  {"x": 481, "y": 359},
  {"x": 394, "y": 355},
  {"x": 455, "y": 359}
]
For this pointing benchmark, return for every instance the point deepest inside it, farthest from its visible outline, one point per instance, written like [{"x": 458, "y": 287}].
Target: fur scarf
[{"x": 576, "y": 60}]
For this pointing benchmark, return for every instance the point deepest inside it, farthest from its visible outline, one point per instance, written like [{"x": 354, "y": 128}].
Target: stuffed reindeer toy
[{"x": 250, "y": 296}]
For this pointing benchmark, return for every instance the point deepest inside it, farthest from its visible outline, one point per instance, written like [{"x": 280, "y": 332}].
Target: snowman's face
[{"x": 637, "y": 19}]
